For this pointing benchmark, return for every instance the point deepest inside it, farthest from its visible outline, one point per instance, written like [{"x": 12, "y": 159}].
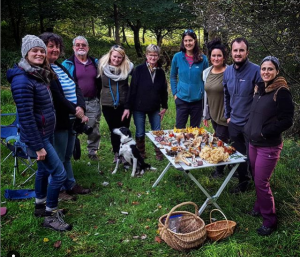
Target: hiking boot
[
  {"x": 158, "y": 154},
  {"x": 265, "y": 231},
  {"x": 140, "y": 145},
  {"x": 93, "y": 157},
  {"x": 40, "y": 210},
  {"x": 254, "y": 213},
  {"x": 54, "y": 220},
  {"x": 77, "y": 189},
  {"x": 63, "y": 196}
]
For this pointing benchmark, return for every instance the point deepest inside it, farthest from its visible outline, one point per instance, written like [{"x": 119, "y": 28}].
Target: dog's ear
[
  {"x": 125, "y": 131},
  {"x": 129, "y": 133}
]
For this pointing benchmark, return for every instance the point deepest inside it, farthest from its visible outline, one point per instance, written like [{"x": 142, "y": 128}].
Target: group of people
[
  {"x": 248, "y": 105},
  {"x": 52, "y": 97}
]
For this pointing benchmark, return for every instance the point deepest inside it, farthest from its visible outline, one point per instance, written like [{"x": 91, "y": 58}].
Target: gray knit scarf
[
  {"x": 114, "y": 72},
  {"x": 36, "y": 71}
]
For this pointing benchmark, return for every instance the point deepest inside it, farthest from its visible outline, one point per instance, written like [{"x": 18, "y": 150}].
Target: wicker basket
[
  {"x": 192, "y": 229},
  {"x": 220, "y": 229}
]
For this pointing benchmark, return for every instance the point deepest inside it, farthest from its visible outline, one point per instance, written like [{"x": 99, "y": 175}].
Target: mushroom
[{"x": 180, "y": 158}]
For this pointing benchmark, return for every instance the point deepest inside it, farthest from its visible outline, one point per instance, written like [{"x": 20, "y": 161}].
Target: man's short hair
[
  {"x": 239, "y": 40},
  {"x": 80, "y": 38}
]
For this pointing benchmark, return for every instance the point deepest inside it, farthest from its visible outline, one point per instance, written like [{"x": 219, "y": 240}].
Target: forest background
[{"x": 272, "y": 27}]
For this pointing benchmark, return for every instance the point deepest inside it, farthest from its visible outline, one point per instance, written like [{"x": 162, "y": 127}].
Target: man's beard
[
  {"x": 239, "y": 64},
  {"x": 81, "y": 52}
]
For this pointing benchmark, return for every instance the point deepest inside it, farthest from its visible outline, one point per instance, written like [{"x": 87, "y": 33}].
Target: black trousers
[
  {"x": 113, "y": 119},
  {"x": 185, "y": 109},
  {"x": 240, "y": 143}
]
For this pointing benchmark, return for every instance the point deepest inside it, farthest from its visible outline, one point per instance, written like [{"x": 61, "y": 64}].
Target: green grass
[{"x": 99, "y": 228}]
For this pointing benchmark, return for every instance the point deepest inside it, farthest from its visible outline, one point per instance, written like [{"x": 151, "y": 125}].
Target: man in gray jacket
[{"x": 239, "y": 81}]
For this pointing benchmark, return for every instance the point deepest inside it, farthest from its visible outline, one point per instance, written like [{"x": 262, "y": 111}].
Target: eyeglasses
[
  {"x": 118, "y": 46},
  {"x": 78, "y": 45},
  {"x": 189, "y": 31}
]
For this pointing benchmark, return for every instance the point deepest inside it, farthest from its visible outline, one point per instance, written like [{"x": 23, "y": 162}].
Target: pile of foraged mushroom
[{"x": 185, "y": 145}]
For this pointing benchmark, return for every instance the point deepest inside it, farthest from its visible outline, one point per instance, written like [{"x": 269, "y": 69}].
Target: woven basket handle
[
  {"x": 177, "y": 206},
  {"x": 218, "y": 211}
]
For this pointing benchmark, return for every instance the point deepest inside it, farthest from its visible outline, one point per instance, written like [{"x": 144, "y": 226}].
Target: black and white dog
[{"x": 130, "y": 153}]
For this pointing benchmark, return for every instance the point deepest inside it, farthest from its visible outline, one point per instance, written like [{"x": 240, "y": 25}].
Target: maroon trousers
[{"x": 263, "y": 161}]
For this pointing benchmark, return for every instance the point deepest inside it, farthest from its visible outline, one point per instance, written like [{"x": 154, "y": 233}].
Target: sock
[
  {"x": 48, "y": 209},
  {"x": 40, "y": 201}
]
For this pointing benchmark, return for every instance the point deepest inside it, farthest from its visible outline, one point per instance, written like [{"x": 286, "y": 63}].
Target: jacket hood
[{"x": 15, "y": 71}]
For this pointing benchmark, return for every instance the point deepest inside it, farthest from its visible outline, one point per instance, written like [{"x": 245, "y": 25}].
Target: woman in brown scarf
[{"x": 271, "y": 113}]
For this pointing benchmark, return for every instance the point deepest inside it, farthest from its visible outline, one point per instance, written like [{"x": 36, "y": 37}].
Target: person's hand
[
  {"x": 84, "y": 119},
  {"x": 175, "y": 97},
  {"x": 41, "y": 154},
  {"x": 79, "y": 112},
  {"x": 205, "y": 122},
  {"x": 162, "y": 113},
  {"x": 228, "y": 120},
  {"x": 126, "y": 114}
]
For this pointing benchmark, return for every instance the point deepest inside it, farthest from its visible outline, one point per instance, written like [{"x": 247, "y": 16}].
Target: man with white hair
[{"x": 83, "y": 69}]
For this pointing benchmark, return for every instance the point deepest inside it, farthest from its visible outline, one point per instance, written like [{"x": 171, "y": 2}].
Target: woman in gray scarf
[{"x": 114, "y": 69}]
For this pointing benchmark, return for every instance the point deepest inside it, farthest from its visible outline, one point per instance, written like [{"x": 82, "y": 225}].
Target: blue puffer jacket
[
  {"x": 34, "y": 105},
  {"x": 186, "y": 81}
]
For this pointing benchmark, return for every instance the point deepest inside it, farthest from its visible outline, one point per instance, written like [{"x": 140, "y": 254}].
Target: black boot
[
  {"x": 159, "y": 155},
  {"x": 140, "y": 145}
]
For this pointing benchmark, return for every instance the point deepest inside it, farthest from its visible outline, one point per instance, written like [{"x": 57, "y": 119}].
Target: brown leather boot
[
  {"x": 159, "y": 155},
  {"x": 140, "y": 145}
]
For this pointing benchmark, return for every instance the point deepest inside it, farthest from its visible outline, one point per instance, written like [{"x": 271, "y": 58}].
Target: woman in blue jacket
[
  {"x": 30, "y": 80},
  {"x": 186, "y": 80}
]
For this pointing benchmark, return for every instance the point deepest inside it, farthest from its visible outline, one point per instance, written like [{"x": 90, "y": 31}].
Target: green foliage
[{"x": 100, "y": 229}]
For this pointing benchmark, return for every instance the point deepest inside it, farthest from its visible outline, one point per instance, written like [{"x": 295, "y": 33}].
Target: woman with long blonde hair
[{"x": 114, "y": 69}]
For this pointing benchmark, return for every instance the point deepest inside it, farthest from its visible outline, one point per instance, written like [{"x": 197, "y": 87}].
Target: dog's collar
[{"x": 124, "y": 143}]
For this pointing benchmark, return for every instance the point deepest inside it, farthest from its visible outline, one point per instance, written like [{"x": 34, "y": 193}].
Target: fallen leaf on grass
[
  {"x": 135, "y": 237},
  {"x": 46, "y": 240},
  {"x": 135, "y": 203},
  {"x": 147, "y": 227},
  {"x": 157, "y": 239},
  {"x": 57, "y": 244},
  {"x": 120, "y": 184}
]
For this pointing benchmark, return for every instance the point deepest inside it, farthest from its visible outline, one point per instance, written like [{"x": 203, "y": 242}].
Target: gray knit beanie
[{"x": 30, "y": 41}]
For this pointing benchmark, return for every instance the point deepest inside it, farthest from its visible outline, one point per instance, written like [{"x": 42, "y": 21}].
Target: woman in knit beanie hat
[{"x": 30, "y": 89}]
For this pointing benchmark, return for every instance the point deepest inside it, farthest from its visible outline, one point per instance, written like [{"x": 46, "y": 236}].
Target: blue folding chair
[{"x": 10, "y": 137}]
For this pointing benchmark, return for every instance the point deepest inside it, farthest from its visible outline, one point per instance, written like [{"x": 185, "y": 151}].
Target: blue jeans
[
  {"x": 140, "y": 119},
  {"x": 64, "y": 141},
  {"x": 50, "y": 166}
]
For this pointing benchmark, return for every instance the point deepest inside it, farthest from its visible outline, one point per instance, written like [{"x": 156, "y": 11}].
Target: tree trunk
[
  {"x": 117, "y": 24},
  {"x": 109, "y": 31},
  {"x": 41, "y": 17},
  {"x": 144, "y": 32},
  {"x": 93, "y": 26},
  {"x": 159, "y": 38},
  {"x": 15, "y": 24},
  {"x": 136, "y": 34},
  {"x": 124, "y": 39}
]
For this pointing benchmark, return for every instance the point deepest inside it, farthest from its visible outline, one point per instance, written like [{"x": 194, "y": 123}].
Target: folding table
[{"x": 235, "y": 160}]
